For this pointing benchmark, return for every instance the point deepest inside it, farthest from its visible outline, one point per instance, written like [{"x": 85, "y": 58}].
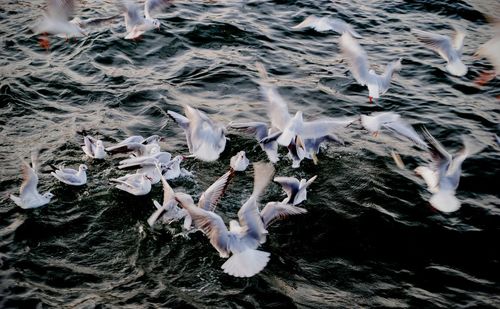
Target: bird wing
[
  {"x": 212, "y": 225},
  {"x": 257, "y": 128},
  {"x": 151, "y": 5},
  {"x": 309, "y": 22},
  {"x": 323, "y": 127},
  {"x": 340, "y": 26},
  {"x": 458, "y": 38},
  {"x": 401, "y": 127},
  {"x": 438, "y": 43},
  {"x": 211, "y": 197},
  {"x": 60, "y": 9},
  {"x": 30, "y": 180},
  {"x": 277, "y": 108},
  {"x": 356, "y": 57},
  {"x": 132, "y": 15},
  {"x": 441, "y": 158},
  {"x": 384, "y": 81},
  {"x": 290, "y": 185},
  {"x": 274, "y": 211}
]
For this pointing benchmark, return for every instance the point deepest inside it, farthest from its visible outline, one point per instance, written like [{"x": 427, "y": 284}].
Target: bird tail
[
  {"x": 247, "y": 263},
  {"x": 457, "y": 68},
  {"x": 445, "y": 201}
]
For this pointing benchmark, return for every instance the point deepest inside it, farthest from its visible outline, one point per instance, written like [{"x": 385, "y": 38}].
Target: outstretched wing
[
  {"x": 151, "y": 5},
  {"x": 274, "y": 211},
  {"x": 211, "y": 197},
  {"x": 356, "y": 57}
]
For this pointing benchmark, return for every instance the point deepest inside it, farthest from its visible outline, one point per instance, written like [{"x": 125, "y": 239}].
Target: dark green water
[{"x": 370, "y": 238}]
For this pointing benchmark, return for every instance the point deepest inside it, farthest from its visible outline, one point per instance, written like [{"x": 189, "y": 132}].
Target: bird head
[{"x": 83, "y": 167}]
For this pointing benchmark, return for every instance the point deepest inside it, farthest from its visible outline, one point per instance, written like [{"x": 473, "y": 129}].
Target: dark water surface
[{"x": 370, "y": 238}]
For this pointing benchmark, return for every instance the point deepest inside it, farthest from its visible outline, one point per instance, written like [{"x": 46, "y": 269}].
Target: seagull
[
  {"x": 449, "y": 49},
  {"x": 394, "y": 123},
  {"x": 243, "y": 238},
  {"x": 93, "y": 147},
  {"x": 173, "y": 168},
  {"x": 205, "y": 138},
  {"x": 56, "y": 19},
  {"x": 28, "y": 193},
  {"x": 442, "y": 177},
  {"x": 360, "y": 68},
  {"x": 136, "y": 23},
  {"x": 211, "y": 197},
  {"x": 135, "y": 184},
  {"x": 323, "y": 24},
  {"x": 261, "y": 131},
  {"x": 239, "y": 162},
  {"x": 169, "y": 211},
  {"x": 295, "y": 189},
  {"x": 138, "y": 145},
  {"x": 71, "y": 176}
]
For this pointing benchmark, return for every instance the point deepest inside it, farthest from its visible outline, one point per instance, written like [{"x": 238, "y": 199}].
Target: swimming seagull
[
  {"x": 449, "y": 49},
  {"x": 360, "y": 68},
  {"x": 136, "y": 23},
  {"x": 205, "y": 138},
  {"x": 169, "y": 211},
  {"x": 394, "y": 123},
  {"x": 442, "y": 177},
  {"x": 71, "y": 176},
  {"x": 296, "y": 190},
  {"x": 135, "y": 184},
  {"x": 239, "y": 162},
  {"x": 323, "y": 24},
  {"x": 93, "y": 147},
  {"x": 243, "y": 238},
  {"x": 28, "y": 193},
  {"x": 174, "y": 170}
]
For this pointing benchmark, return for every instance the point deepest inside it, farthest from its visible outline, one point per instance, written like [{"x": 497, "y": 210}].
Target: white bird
[
  {"x": 94, "y": 148},
  {"x": 449, "y": 49},
  {"x": 322, "y": 24},
  {"x": 205, "y": 138},
  {"x": 29, "y": 197},
  {"x": 394, "y": 123},
  {"x": 239, "y": 162},
  {"x": 56, "y": 19},
  {"x": 135, "y": 184},
  {"x": 136, "y": 23},
  {"x": 295, "y": 190},
  {"x": 242, "y": 242},
  {"x": 443, "y": 176},
  {"x": 261, "y": 131},
  {"x": 360, "y": 68},
  {"x": 174, "y": 170},
  {"x": 211, "y": 197},
  {"x": 71, "y": 176},
  {"x": 169, "y": 211}
]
